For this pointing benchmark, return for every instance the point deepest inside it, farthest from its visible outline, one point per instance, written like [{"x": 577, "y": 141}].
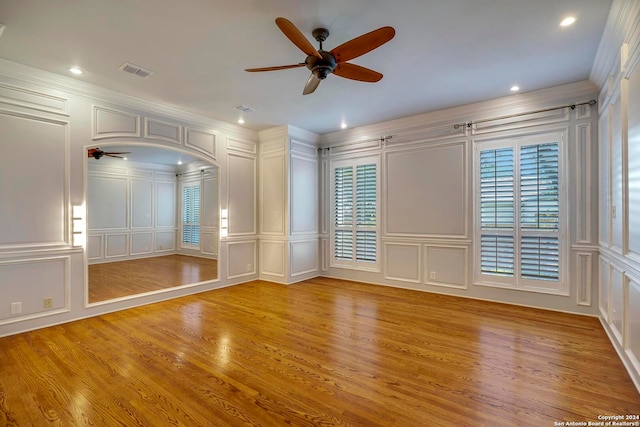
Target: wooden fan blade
[
  {"x": 113, "y": 155},
  {"x": 356, "y": 72},
  {"x": 280, "y": 67},
  {"x": 312, "y": 84},
  {"x": 115, "y": 152},
  {"x": 363, "y": 44},
  {"x": 296, "y": 37}
]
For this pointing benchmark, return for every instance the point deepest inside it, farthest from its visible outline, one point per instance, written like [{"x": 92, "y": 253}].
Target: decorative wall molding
[
  {"x": 237, "y": 252},
  {"x": 163, "y": 131},
  {"x": 242, "y": 191},
  {"x": 243, "y": 146},
  {"x": 272, "y": 258},
  {"x": 403, "y": 262},
  {"x": 450, "y": 263},
  {"x": 584, "y": 280},
  {"x": 53, "y": 271},
  {"x": 303, "y": 257},
  {"x": 200, "y": 140},
  {"x": 583, "y": 174},
  {"x": 109, "y": 123},
  {"x": 33, "y": 100}
]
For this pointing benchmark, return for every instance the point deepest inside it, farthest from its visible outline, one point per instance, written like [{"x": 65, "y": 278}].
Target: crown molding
[
  {"x": 545, "y": 98},
  {"x": 29, "y": 75},
  {"x": 624, "y": 16}
]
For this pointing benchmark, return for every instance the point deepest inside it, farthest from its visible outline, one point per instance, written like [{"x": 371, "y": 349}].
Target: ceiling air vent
[
  {"x": 245, "y": 108},
  {"x": 135, "y": 70}
]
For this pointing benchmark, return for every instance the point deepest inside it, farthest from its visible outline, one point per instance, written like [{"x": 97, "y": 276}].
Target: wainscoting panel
[
  {"x": 402, "y": 261},
  {"x": 446, "y": 266},
  {"x": 141, "y": 243},
  {"x": 116, "y": 245},
  {"x": 617, "y": 302},
  {"x": 165, "y": 241},
  {"x": 241, "y": 259},
  {"x": 633, "y": 322},
  {"x": 584, "y": 280},
  {"x": 272, "y": 258},
  {"x": 605, "y": 271},
  {"x": 95, "y": 247},
  {"x": 48, "y": 277},
  {"x": 304, "y": 257}
]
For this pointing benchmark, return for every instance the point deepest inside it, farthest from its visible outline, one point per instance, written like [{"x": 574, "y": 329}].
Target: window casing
[
  {"x": 354, "y": 222},
  {"x": 191, "y": 215},
  {"x": 520, "y": 213}
]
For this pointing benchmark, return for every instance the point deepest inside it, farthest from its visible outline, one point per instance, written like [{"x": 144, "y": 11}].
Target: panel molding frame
[
  {"x": 97, "y": 134},
  {"x": 66, "y": 259}
]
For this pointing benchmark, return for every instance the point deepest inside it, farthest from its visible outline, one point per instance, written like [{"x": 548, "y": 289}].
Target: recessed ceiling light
[
  {"x": 179, "y": 162},
  {"x": 515, "y": 88},
  {"x": 343, "y": 125},
  {"x": 75, "y": 70},
  {"x": 241, "y": 120},
  {"x": 567, "y": 21}
]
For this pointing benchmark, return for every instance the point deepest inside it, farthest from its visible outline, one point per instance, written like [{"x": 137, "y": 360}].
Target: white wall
[
  {"x": 617, "y": 72},
  {"x": 427, "y": 200},
  {"x": 48, "y": 122}
]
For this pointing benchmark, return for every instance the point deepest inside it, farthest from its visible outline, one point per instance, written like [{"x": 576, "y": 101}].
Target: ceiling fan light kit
[{"x": 321, "y": 63}]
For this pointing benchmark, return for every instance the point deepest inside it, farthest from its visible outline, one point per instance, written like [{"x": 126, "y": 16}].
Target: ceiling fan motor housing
[{"x": 321, "y": 68}]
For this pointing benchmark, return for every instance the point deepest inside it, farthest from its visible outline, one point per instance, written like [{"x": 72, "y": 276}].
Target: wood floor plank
[
  {"x": 321, "y": 352},
  {"x": 136, "y": 276}
]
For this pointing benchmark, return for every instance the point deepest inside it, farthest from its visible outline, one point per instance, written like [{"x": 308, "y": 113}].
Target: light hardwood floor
[
  {"x": 123, "y": 278},
  {"x": 322, "y": 352}
]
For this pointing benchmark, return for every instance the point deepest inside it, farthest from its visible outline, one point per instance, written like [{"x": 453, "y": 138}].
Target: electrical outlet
[
  {"x": 48, "y": 302},
  {"x": 432, "y": 276},
  {"x": 16, "y": 307}
]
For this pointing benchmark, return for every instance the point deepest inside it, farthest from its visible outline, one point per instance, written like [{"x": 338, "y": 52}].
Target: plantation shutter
[
  {"x": 539, "y": 211},
  {"x": 355, "y": 236},
  {"x": 366, "y": 212},
  {"x": 191, "y": 214},
  {"x": 520, "y": 239},
  {"x": 497, "y": 212},
  {"x": 343, "y": 212}
]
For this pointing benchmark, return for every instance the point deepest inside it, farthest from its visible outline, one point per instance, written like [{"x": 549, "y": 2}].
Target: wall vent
[
  {"x": 245, "y": 108},
  {"x": 135, "y": 70}
]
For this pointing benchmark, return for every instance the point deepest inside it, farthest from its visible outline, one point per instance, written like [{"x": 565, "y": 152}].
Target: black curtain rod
[{"x": 591, "y": 103}]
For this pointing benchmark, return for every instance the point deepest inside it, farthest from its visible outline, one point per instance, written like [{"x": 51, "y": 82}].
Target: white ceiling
[{"x": 445, "y": 52}]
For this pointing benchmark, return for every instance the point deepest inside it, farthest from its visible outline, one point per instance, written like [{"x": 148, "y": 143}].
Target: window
[
  {"x": 518, "y": 223},
  {"x": 191, "y": 215},
  {"x": 355, "y": 213}
]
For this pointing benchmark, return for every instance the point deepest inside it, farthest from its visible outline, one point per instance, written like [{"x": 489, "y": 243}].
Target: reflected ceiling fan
[
  {"x": 97, "y": 153},
  {"x": 322, "y": 63}
]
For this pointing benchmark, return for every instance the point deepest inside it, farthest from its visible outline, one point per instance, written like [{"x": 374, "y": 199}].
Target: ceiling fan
[
  {"x": 97, "y": 153},
  {"x": 322, "y": 63}
]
